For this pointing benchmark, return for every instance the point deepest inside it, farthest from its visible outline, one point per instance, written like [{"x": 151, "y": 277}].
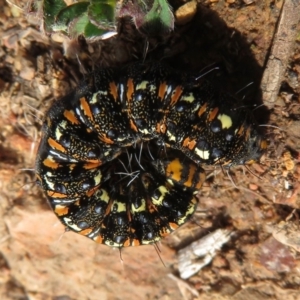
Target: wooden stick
[{"x": 280, "y": 52}]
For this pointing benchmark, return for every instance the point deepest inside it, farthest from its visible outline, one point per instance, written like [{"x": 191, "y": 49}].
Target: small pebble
[
  {"x": 186, "y": 12},
  {"x": 27, "y": 73},
  {"x": 253, "y": 187},
  {"x": 247, "y": 2}
]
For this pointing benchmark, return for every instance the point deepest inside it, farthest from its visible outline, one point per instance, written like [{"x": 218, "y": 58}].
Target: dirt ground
[{"x": 255, "y": 208}]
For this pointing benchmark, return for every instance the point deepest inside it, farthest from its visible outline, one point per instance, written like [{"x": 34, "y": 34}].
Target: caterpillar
[{"x": 120, "y": 158}]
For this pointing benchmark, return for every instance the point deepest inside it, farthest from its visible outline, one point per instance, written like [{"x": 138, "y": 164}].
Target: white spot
[
  {"x": 149, "y": 242},
  {"x": 169, "y": 90},
  {"x": 107, "y": 153},
  {"x": 152, "y": 87},
  {"x": 204, "y": 154},
  {"x": 103, "y": 195},
  {"x": 121, "y": 86},
  {"x": 63, "y": 201},
  {"x": 118, "y": 207},
  {"x": 102, "y": 92},
  {"x": 78, "y": 112},
  {"x": 63, "y": 124},
  {"x": 142, "y": 85},
  {"x": 188, "y": 98},
  {"x": 170, "y": 136},
  {"x": 170, "y": 181},
  {"x": 62, "y": 156},
  {"x": 189, "y": 212},
  {"x": 97, "y": 178},
  {"x": 94, "y": 99},
  {"x": 163, "y": 192},
  {"x": 142, "y": 207},
  {"x": 112, "y": 244},
  {"x": 50, "y": 184},
  {"x": 225, "y": 120},
  {"x": 196, "y": 108},
  {"x": 70, "y": 223},
  {"x": 58, "y": 134},
  {"x": 144, "y": 131},
  {"x": 94, "y": 233}
]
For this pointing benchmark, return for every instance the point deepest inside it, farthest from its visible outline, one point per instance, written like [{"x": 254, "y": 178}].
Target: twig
[{"x": 280, "y": 52}]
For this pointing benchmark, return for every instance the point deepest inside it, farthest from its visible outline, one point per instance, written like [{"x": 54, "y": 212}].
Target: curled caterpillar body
[{"x": 120, "y": 158}]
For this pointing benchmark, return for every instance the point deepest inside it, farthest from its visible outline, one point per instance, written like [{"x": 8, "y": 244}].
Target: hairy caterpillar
[{"x": 120, "y": 158}]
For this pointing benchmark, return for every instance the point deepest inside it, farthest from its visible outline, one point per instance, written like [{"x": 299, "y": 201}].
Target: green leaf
[
  {"x": 160, "y": 17},
  {"x": 77, "y": 26},
  {"x": 102, "y": 13},
  {"x": 92, "y": 31},
  {"x": 82, "y": 25},
  {"x": 51, "y": 8},
  {"x": 153, "y": 18},
  {"x": 69, "y": 14}
]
